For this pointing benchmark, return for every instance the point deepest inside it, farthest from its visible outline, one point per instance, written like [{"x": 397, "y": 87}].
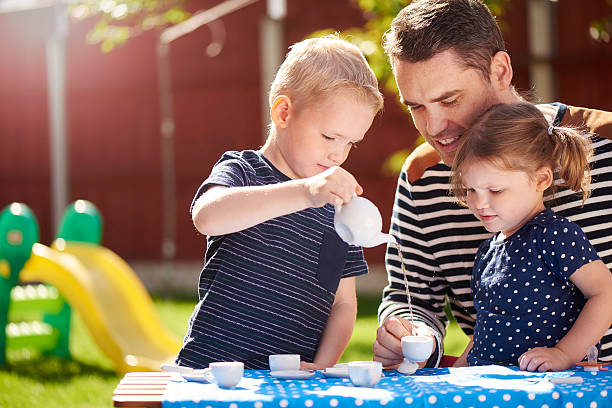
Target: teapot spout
[{"x": 379, "y": 239}]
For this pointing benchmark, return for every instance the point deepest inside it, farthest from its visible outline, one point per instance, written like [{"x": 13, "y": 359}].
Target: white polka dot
[
  {"x": 544, "y": 406},
  {"x": 283, "y": 403},
  {"x": 308, "y": 403},
  {"x": 408, "y": 400},
  {"x": 604, "y": 393},
  {"x": 359, "y": 402},
  {"x": 506, "y": 397},
  {"x": 555, "y": 395},
  {"x": 259, "y": 404},
  {"x": 233, "y": 405},
  {"x": 593, "y": 405},
  {"x": 569, "y": 405},
  {"x": 432, "y": 399},
  {"x": 482, "y": 398},
  {"x": 334, "y": 402},
  {"x": 457, "y": 398},
  {"x": 531, "y": 396},
  {"x": 580, "y": 394}
]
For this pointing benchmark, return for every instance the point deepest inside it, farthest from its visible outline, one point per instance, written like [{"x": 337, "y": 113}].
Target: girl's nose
[{"x": 482, "y": 202}]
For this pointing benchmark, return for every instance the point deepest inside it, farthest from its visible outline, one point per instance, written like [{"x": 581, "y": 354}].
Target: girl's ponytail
[{"x": 572, "y": 151}]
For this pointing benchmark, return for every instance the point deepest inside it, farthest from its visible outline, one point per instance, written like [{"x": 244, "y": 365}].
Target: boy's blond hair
[{"x": 318, "y": 66}]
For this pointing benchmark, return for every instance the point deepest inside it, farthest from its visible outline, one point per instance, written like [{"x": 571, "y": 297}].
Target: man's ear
[
  {"x": 544, "y": 178},
  {"x": 280, "y": 110},
  {"x": 501, "y": 70}
]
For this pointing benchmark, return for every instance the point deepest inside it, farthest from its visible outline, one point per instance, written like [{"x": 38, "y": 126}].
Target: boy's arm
[
  {"x": 339, "y": 328},
  {"x": 595, "y": 282},
  {"x": 223, "y": 210}
]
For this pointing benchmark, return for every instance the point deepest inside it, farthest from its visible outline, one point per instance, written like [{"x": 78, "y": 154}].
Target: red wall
[{"x": 113, "y": 113}]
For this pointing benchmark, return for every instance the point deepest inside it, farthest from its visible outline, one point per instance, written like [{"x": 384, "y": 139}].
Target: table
[
  {"x": 138, "y": 389},
  {"x": 437, "y": 387}
]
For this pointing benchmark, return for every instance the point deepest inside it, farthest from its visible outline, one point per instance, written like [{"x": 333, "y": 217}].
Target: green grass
[{"x": 88, "y": 379}]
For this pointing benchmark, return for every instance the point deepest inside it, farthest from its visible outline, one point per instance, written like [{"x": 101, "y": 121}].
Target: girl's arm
[
  {"x": 339, "y": 328},
  {"x": 595, "y": 281},
  {"x": 223, "y": 210}
]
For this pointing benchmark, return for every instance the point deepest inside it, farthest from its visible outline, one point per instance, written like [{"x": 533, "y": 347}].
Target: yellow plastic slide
[{"x": 111, "y": 300}]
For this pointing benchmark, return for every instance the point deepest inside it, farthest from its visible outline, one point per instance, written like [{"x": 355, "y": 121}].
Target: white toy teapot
[{"x": 359, "y": 223}]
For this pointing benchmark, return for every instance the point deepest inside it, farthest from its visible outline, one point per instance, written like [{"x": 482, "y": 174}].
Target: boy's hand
[
  {"x": 545, "y": 359},
  {"x": 334, "y": 186}
]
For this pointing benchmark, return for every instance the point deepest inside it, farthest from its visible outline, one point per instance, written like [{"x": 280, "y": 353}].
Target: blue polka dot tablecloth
[{"x": 485, "y": 386}]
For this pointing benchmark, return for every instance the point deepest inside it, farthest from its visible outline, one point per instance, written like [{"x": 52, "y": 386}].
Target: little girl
[{"x": 542, "y": 294}]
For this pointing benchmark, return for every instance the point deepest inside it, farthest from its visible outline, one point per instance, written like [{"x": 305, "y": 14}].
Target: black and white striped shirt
[
  {"x": 267, "y": 289},
  {"x": 439, "y": 238}
]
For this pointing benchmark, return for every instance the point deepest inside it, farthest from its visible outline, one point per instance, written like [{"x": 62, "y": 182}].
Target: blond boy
[{"x": 277, "y": 278}]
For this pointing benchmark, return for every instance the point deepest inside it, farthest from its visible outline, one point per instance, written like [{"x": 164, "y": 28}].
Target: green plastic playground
[{"x": 41, "y": 285}]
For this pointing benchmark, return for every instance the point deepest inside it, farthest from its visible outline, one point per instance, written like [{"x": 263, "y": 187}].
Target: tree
[
  {"x": 120, "y": 20},
  {"x": 601, "y": 29}
]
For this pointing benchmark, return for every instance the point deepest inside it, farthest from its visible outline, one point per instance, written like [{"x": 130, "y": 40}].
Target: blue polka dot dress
[{"x": 522, "y": 294}]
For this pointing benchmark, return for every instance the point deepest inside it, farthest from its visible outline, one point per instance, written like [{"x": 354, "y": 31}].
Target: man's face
[{"x": 444, "y": 98}]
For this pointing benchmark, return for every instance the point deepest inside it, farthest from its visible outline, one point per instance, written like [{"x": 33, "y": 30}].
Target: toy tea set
[{"x": 358, "y": 223}]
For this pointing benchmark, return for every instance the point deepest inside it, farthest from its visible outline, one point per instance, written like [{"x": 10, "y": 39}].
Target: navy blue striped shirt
[{"x": 267, "y": 289}]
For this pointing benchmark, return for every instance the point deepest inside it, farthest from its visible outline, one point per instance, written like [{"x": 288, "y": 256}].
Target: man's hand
[
  {"x": 545, "y": 359},
  {"x": 388, "y": 345}
]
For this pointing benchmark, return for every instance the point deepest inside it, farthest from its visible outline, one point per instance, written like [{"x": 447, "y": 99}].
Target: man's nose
[{"x": 436, "y": 122}]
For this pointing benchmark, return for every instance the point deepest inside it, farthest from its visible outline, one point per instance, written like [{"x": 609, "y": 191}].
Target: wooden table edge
[{"x": 141, "y": 390}]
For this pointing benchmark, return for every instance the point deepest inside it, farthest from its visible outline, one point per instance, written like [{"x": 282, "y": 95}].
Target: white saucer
[
  {"x": 292, "y": 374},
  {"x": 336, "y": 372},
  {"x": 195, "y": 377}
]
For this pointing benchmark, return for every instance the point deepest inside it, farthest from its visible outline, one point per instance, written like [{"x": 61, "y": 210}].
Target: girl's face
[
  {"x": 321, "y": 136},
  {"x": 503, "y": 200}
]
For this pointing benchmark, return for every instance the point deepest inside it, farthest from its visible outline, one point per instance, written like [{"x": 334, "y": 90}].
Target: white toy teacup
[
  {"x": 414, "y": 349},
  {"x": 359, "y": 223},
  {"x": 226, "y": 374},
  {"x": 284, "y": 362},
  {"x": 365, "y": 373}
]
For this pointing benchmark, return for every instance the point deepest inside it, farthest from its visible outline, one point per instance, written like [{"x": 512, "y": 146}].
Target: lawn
[{"x": 88, "y": 379}]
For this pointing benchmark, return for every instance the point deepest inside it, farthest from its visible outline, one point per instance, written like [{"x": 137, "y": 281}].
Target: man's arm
[{"x": 427, "y": 285}]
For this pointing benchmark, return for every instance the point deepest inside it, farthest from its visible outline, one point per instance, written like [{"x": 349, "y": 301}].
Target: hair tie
[{"x": 550, "y": 130}]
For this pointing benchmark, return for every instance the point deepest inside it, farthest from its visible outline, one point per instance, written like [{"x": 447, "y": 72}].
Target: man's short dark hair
[{"x": 425, "y": 28}]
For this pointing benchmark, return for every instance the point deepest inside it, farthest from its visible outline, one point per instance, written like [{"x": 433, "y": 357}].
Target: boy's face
[
  {"x": 503, "y": 200},
  {"x": 321, "y": 135},
  {"x": 444, "y": 98}
]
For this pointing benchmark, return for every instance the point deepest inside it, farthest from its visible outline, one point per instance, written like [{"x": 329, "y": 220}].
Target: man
[{"x": 450, "y": 65}]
